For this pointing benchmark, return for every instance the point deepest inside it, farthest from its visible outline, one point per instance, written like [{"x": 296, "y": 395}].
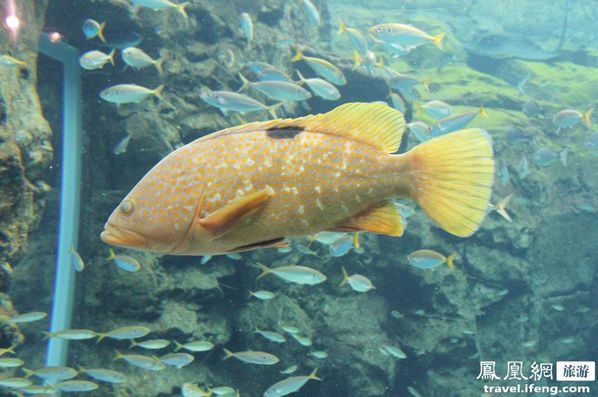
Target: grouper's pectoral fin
[
  {"x": 384, "y": 219},
  {"x": 221, "y": 221}
]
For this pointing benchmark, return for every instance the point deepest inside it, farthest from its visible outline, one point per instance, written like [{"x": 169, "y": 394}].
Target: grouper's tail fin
[{"x": 452, "y": 178}]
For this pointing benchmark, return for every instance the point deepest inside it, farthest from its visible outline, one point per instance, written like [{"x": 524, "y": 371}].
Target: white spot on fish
[
  {"x": 301, "y": 210},
  {"x": 318, "y": 189}
]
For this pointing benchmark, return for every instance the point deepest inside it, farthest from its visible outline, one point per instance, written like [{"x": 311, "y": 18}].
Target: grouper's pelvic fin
[{"x": 452, "y": 178}]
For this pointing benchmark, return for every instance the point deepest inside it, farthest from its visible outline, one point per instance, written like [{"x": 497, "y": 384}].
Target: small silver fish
[
  {"x": 302, "y": 340},
  {"x": 311, "y": 11},
  {"x": 395, "y": 351},
  {"x": 138, "y": 59},
  {"x": 289, "y": 370},
  {"x": 263, "y": 295},
  {"x": 15, "y": 383},
  {"x": 129, "y": 93},
  {"x": 226, "y": 391},
  {"x": 321, "y": 88},
  {"x": 358, "y": 282},
  {"x": 51, "y": 373},
  {"x": 178, "y": 360},
  {"x": 568, "y": 118},
  {"x": 151, "y": 344},
  {"x": 162, "y": 5},
  {"x": 428, "y": 259},
  {"x": 76, "y": 386},
  {"x": 121, "y": 146},
  {"x": 271, "y": 336},
  {"x": 294, "y": 274},
  {"x": 196, "y": 346},
  {"x": 146, "y": 362},
  {"x": 289, "y": 385},
  {"x": 77, "y": 261},
  {"x": 26, "y": 317},
  {"x": 322, "y": 67},
  {"x": 129, "y": 332},
  {"x": 7, "y": 362},
  {"x": 104, "y": 375},
  {"x": 93, "y": 60},
  {"x": 319, "y": 354},
  {"x": 247, "y": 28},
  {"x": 228, "y": 101},
  {"x": 124, "y": 262},
  {"x": 252, "y": 357},
  {"x": 436, "y": 109},
  {"x": 72, "y": 334},
  {"x": 277, "y": 90}
]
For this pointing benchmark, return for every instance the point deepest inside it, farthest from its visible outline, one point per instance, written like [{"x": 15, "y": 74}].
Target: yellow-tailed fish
[
  {"x": 404, "y": 35},
  {"x": 294, "y": 274},
  {"x": 104, "y": 375},
  {"x": 51, "y": 373},
  {"x": 357, "y": 282},
  {"x": 151, "y": 344},
  {"x": 72, "y": 334},
  {"x": 178, "y": 360},
  {"x": 428, "y": 259},
  {"x": 253, "y": 185},
  {"x": 162, "y": 5},
  {"x": 124, "y": 262},
  {"x": 15, "y": 383},
  {"x": 76, "y": 386},
  {"x": 359, "y": 42},
  {"x": 196, "y": 346},
  {"x": 289, "y": 385},
  {"x": 77, "y": 261},
  {"x": 25, "y": 318},
  {"x": 92, "y": 28},
  {"x": 95, "y": 59},
  {"x": 252, "y": 357},
  {"x": 321, "y": 88},
  {"x": 146, "y": 362},
  {"x": 322, "y": 67},
  {"x": 277, "y": 90},
  {"x": 10, "y": 362},
  {"x": 129, "y": 93},
  {"x": 9, "y": 61},
  {"x": 138, "y": 59},
  {"x": 501, "y": 207},
  {"x": 129, "y": 332}
]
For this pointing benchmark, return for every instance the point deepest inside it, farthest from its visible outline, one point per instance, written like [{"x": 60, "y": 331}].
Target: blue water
[{"x": 523, "y": 288}]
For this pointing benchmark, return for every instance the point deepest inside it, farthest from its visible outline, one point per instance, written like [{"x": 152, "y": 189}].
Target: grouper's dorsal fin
[{"x": 376, "y": 124}]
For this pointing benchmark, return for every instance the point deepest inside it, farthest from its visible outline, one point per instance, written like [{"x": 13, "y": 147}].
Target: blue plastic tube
[{"x": 64, "y": 282}]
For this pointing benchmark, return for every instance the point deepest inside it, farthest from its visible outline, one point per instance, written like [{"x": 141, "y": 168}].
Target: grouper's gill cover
[{"x": 252, "y": 185}]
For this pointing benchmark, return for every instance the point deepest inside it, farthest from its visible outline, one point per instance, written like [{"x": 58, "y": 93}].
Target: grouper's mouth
[{"x": 119, "y": 236}]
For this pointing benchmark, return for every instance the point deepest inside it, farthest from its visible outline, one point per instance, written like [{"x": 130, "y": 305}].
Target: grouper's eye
[
  {"x": 127, "y": 207},
  {"x": 379, "y": 29}
]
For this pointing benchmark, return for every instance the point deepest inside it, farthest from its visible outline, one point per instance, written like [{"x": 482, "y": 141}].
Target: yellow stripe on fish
[{"x": 253, "y": 185}]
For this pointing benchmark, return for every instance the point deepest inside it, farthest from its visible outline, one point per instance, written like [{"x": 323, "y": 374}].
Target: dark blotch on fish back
[{"x": 287, "y": 132}]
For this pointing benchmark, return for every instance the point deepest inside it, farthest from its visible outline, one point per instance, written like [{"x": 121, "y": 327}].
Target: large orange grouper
[{"x": 252, "y": 185}]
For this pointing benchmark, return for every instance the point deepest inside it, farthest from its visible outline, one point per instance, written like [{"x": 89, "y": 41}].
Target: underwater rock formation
[{"x": 25, "y": 149}]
